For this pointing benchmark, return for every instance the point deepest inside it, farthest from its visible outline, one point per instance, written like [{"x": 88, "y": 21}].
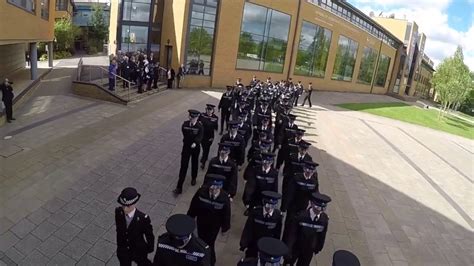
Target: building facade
[
  {"x": 329, "y": 43},
  {"x": 64, "y": 9},
  {"x": 34, "y": 22}
]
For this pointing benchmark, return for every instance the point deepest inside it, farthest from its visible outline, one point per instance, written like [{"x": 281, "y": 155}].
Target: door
[{"x": 169, "y": 55}]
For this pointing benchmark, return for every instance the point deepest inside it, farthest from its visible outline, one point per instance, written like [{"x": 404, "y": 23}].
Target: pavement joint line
[
  {"x": 451, "y": 202},
  {"x": 439, "y": 156},
  {"x": 462, "y": 147},
  {"x": 50, "y": 119}
]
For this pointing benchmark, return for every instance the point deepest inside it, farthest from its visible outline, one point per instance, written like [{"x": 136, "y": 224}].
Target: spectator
[
  {"x": 7, "y": 98},
  {"x": 201, "y": 68},
  {"x": 180, "y": 76},
  {"x": 112, "y": 74},
  {"x": 170, "y": 75}
]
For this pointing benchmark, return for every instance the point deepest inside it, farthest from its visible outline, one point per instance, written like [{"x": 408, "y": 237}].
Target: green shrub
[
  {"x": 43, "y": 57},
  {"x": 92, "y": 50}
]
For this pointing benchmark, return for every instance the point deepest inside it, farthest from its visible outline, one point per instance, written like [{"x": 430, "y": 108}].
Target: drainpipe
[
  {"x": 294, "y": 40},
  {"x": 376, "y": 68}
]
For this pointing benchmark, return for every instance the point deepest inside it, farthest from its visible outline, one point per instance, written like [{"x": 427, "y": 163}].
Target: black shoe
[
  {"x": 193, "y": 182},
  {"x": 12, "y": 118},
  {"x": 178, "y": 191},
  {"x": 202, "y": 166}
]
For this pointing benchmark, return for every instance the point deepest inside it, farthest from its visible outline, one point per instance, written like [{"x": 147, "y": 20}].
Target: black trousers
[
  {"x": 178, "y": 80},
  {"x": 280, "y": 157},
  {"x": 8, "y": 109},
  {"x": 297, "y": 97},
  {"x": 206, "y": 146},
  {"x": 170, "y": 83},
  {"x": 252, "y": 250},
  {"x": 126, "y": 260},
  {"x": 308, "y": 97},
  {"x": 225, "y": 116},
  {"x": 185, "y": 155},
  {"x": 302, "y": 258},
  {"x": 111, "y": 84},
  {"x": 209, "y": 236}
]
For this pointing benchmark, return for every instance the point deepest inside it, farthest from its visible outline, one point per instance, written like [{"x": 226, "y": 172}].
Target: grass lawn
[{"x": 415, "y": 115}]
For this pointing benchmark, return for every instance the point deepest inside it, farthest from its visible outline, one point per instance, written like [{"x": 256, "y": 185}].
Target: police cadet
[
  {"x": 237, "y": 141},
  {"x": 291, "y": 146},
  {"x": 270, "y": 252},
  {"x": 192, "y": 136},
  {"x": 179, "y": 246},
  {"x": 209, "y": 123},
  {"x": 263, "y": 221},
  {"x": 255, "y": 159},
  {"x": 135, "y": 237},
  {"x": 262, "y": 125},
  {"x": 287, "y": 131},
  {"x": 224, "y": 107},
  {"x": 295, "y": 163},
  {"x": 211, "y": 208},
  {"x": 344, "y": 258},
  {"x": 223, "y": 165},
  {"x": 244, "y": 128},
  {"x": 265, "y": 178},
  {"x": 307, "y": 232}
]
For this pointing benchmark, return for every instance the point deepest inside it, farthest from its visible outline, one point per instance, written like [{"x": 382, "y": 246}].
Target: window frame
[
  {"x": 15, "y": 4},
  {"x": 350, "y": 40}
]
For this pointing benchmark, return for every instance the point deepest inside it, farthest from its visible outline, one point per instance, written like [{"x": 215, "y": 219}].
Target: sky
[{"x": 446, "y": 23}]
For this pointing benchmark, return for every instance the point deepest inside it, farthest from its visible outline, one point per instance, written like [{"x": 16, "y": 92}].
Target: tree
[
  {"x": 98, "y": 29},
  {"x": 65, "y": 33},
  {"x": 453, "y": 82}
]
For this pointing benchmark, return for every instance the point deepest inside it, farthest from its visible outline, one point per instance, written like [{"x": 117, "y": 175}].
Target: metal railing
[
  {"x": 79, "y": 69},
  {"x": 101, "y": 76}
]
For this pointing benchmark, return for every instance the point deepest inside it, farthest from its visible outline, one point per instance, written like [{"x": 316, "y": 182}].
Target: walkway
[{"x": 402, "y": 194}]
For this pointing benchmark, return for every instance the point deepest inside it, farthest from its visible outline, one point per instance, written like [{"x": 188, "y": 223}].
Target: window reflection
[
  {"x": 345, "y": 59},
  {"x": 382, "y": 70},
  {"x": 134, "y": 38},
  {"x": 136, "y": 10},
  {"x": 313, "y": 50},
  {"x": 263, "y": 39},
  {"x": 367, "y": 65}
]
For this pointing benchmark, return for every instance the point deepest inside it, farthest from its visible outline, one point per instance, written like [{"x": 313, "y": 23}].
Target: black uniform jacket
[
  {"x": 237, "y": 151},
  {"x": 291, "y": 146},
  {"x": 298, "y": 193},
  {"x": 246, "y": 131},
  {"x": 227, "y": 169},
  {"x": 211, "y": 214},
  {"x": 7, "y": 92},
  {"x": 138, "y": 238},
  {"x": 192, "y": 134},
  {"x": 209, "y": 124},
  {"x": 226, "y": 102},
  {"x": 195, "y": 253},
  {"x": 258, "y": 182},
  {"x": 306, "y": 235},
  {"x": 286, "y": 132},
  {"x": 294, "y": 164},
  {"x": 258, "y": 226}
]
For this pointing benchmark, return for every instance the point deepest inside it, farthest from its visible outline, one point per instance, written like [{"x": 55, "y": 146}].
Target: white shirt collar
[
  {"x": 264, "y": 212},
  {"x": 266, "y": 170},
  {"x": 313, "y": 215},
  {"x": 223, "y": 160},
  {"x": 132, "y": 213}
]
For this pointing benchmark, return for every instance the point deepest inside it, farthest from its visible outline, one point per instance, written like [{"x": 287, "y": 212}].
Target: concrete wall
[
  {"x": 113, "y": 24},
  {"x": 12, "y": 57},
  {"x": 93, "y": 91}
]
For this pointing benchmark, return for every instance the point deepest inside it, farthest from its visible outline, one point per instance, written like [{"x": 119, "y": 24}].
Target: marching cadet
[
  {"x": 179, "y": 246},
  {"x": 264, "y": 125},
  {"x": 244, "y": 128},
  {"x": 295, "y": 164},
  {"x": 263, "y": 109},
  {"x": 255, "y": 159},
  {"x": 263, "y": 221},
  {"x": 262, "y": 135},
  {"x": 299, "y": 91},
  {"x": 224, "y": 107},
  {"x": 265, "y": 178},
  {"x": 344, "y": 258},
  {"x": 307, "y": 232},
  {"x": 270, "y": 252},
  {"x": 291, "y": 146},
  {"x": 237, "y": 141},
  {"x": 223, "y": 165},
  {"x": 135, "y": 237},
  {"x": 281, "y": 119},
  {"x": 209, "y": 123},
  {"x": 211, "y": 208},
  {"x": 192, "y": 136},
  {"x": 287, "y": 131}
]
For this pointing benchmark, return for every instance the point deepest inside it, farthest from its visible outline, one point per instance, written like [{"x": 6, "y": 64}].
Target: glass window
[
  {"x": 134, "y": 38},
  {"x": 136, "y": 10},
  {"x": 200, "y": 39},
  {"x": 382, "y": 70},
  {"x": 367, "y": 65},
  {"x": 345, "y": 59},
  {"x": 313, "y": 50},
  {"x": 28, "y": 5},
  {"x": 44, "y": 9},
  {"x": 61, "y": 5},
  {"x": 263, "y": 39}
]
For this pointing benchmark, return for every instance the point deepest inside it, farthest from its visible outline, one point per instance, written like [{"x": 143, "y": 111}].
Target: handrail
[
  {"x": 120, "y": 77},
  {"x": 79, "y": 69}
]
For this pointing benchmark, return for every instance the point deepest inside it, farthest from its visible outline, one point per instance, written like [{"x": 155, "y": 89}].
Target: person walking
[
  {"x": 192, "y": 136},
  {"x": 112, "y": 74},
  {"x": 210, "y": 123},
  {"x": 309, "y": 91},
  {"x": 7, "y": 98},
  {"x": 170, "y": 76},
  {"x": 224, "y": 107}
]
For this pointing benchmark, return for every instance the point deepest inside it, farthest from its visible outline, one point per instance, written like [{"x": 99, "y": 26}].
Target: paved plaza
[{"x": 402, "y": 194}]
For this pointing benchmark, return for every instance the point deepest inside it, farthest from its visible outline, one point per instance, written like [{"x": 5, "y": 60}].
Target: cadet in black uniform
[
  {"x": 344, "y": 258},
  {"x": 307, "y": 232},
  {"x": 287, "y": 132},
  {"x": 263, "y": 179},
  {"x": 223, "y": 165},
  {"x": 263, "y": 125},
  {"x": 135, "y": 237},
  {"x": 237, "y": 141},
  {"x": 295, "y": 163},
  {"x": 263, "y": 221},
  {"x": 291, "y": 146},
  {"x": 270, "y": 252},
  {"x": 255, "y": 159},
  {"x": 244, "y": 128},
  {"x": 179, "y": 246},
  {"x": 209, "y": 123},
  {"x": 192, "y": 136},
  {"x": 224, "y": 107},
  {"x": 211, "y": 208}
]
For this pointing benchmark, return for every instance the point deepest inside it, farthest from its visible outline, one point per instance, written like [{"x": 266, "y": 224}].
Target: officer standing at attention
[
  {"x": 210, "y": 124},
  {"x": 223, "y": 165},
  {"x": 307, "y": 233},
  {"x": 135, "y": 237},
  {"x": 179, "y": 246},
  {"x": 211, "y": 208},
  {"x": 263, "y": 221},
  {"x": 192, "y": 136},
  {"x": 270, "y": 252},
  {"x": 225, "y": 105}
]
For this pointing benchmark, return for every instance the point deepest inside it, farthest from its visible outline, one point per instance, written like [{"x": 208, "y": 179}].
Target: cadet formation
[{"x": 259, "y": 143}]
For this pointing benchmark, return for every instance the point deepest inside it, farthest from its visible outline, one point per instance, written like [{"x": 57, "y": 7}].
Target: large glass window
[
  {"x": 345, "y": 59},
  {"x": 382, "y": 70},
  {"x": 313, "y": 50},
  {"x": 263, "y": 39},
  {"x": 61, "y": 5},
  {"x": 45, "y": 9},
  {"x": 202, "y": 23},
  {"x": 28, "y": 5},
  {"x": 136, "y": 10},
  {"x": 134, "y": 38},
  {"x": 367, "y": 65}
]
